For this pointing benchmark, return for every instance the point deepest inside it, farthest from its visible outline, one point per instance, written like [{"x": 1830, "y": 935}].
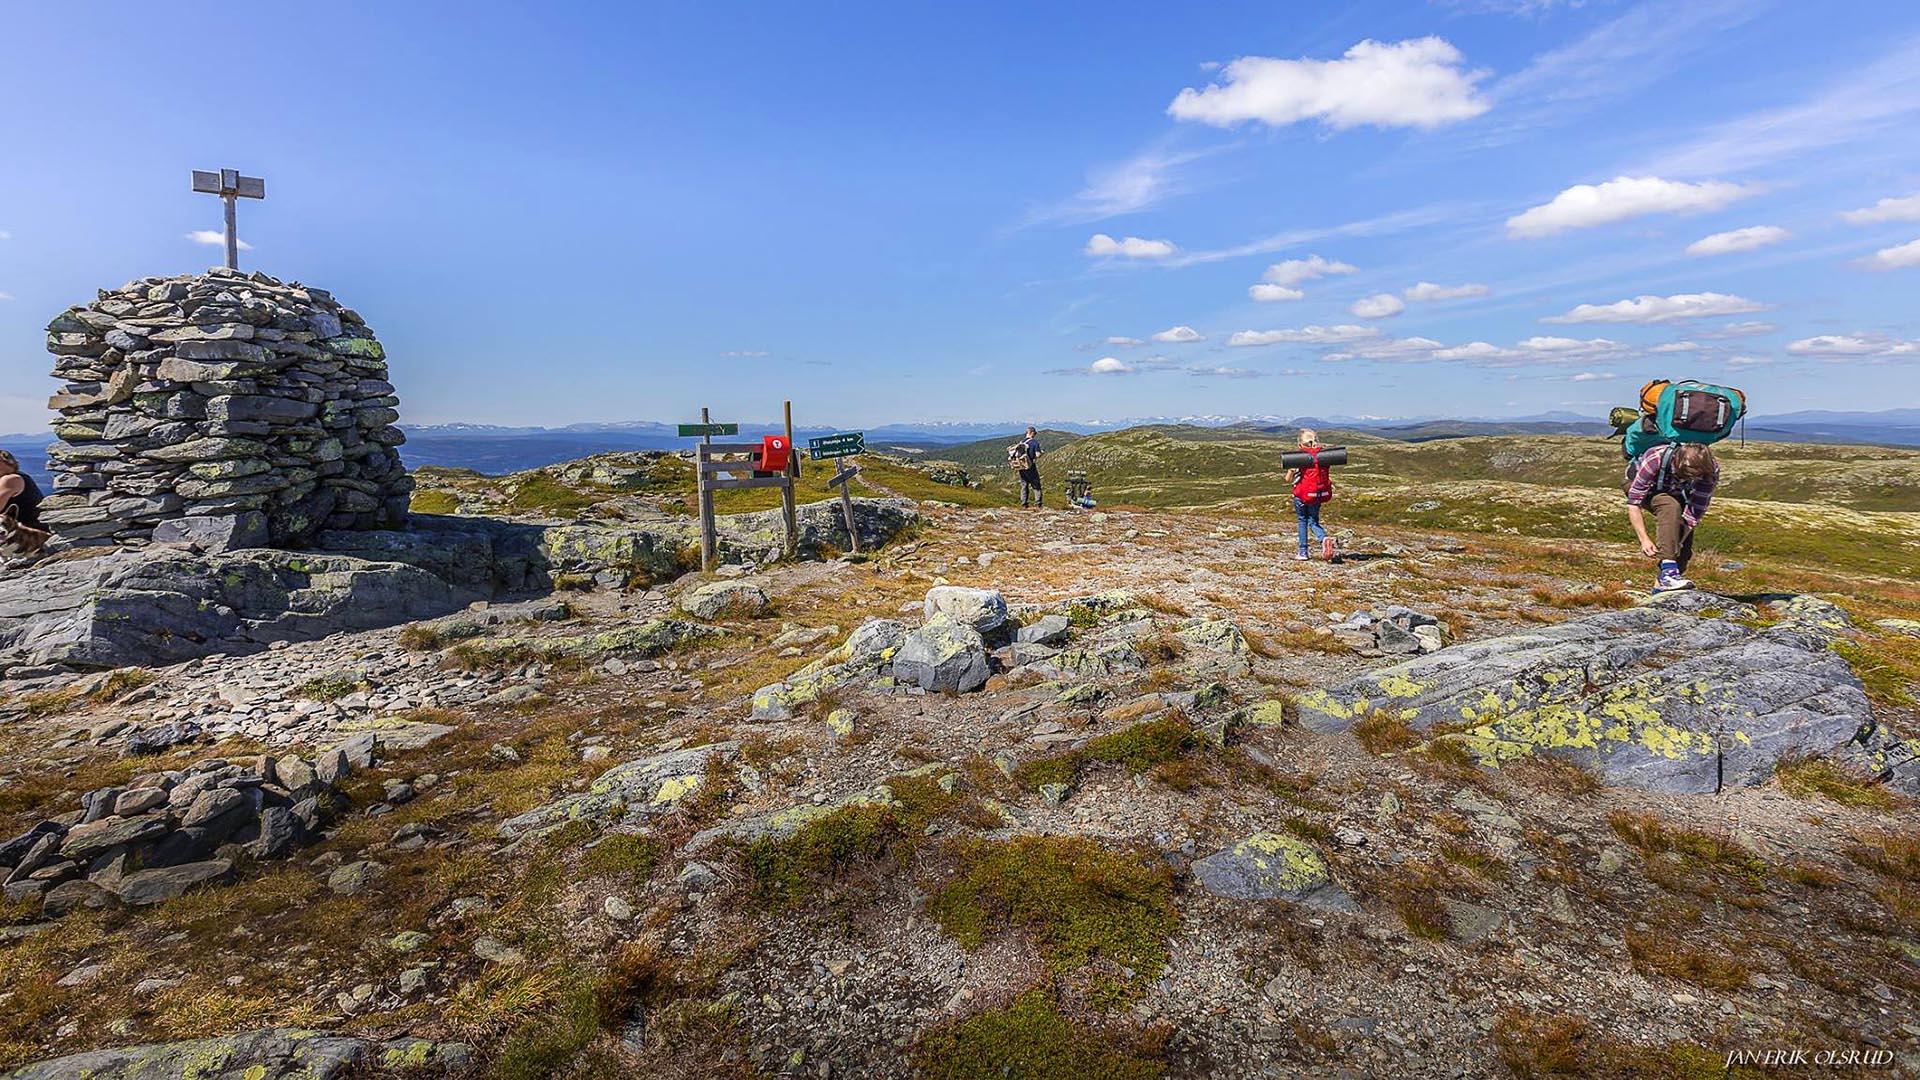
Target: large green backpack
[{"x": 1680, "y": 412}]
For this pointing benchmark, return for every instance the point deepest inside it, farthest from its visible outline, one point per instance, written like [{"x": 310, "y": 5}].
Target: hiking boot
[
  {"x": 1326, "y": 548},
  {"x": 1672, "y": 583}
]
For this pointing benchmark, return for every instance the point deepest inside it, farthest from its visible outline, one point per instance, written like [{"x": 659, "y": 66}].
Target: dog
[{"x": 23, "y": 539}]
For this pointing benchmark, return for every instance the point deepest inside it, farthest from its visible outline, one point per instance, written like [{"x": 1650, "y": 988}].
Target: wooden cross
[{"x": 230, "y": 185}]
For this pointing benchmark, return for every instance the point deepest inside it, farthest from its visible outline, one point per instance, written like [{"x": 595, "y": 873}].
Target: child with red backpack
[{"x": 1312, "y": 487}]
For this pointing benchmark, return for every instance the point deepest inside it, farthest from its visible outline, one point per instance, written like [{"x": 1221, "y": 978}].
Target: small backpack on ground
[
  {"x": 1679, "y": 412},
  {"x": 1315, "y": 484}
]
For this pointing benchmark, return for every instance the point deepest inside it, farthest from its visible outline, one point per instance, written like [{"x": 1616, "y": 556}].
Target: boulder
[
  {"x": 1674, "y": 696},
  {"x": 942, "y": 655},
  {"x": 1272, "y": 866},
  {"x": 628, "y": 794},
  {"x": 269, "y": 1054},
  {"x": 715, "y": 599},
  {"x": 985, "y": 610},
  {"x": 143, "y": 887},
  {"x": 1046, "y": 630},
  {"x": 215, "y": 532}
]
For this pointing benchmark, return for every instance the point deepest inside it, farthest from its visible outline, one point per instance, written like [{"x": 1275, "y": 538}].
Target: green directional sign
[
  {"x": 692, "y": 431},
  {"x": 845, "y": 444}
]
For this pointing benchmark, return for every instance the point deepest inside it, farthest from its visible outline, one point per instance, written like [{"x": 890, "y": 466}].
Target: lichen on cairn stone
[{"x": 255, "y": 411}]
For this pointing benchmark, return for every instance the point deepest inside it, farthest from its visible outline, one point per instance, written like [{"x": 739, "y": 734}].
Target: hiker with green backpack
[{"x": 1671, "y": 469}]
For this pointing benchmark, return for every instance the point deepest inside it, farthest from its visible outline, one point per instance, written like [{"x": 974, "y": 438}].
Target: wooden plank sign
[
  {"x": 845, "y": 444},
  {"x": 846, "y": 473},
  {"x": 694, "y": 431}
]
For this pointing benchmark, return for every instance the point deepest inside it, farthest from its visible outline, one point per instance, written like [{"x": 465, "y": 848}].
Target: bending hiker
[
  {"x": 20, "y": 505},
  {"x": 1312, "y": 487},
  {"x": 1024, "y": 456},
  {"x": 1676, "y": 482}
]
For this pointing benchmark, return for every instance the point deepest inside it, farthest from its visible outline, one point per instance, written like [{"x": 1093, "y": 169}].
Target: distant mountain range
[{"x": 496, "y": 448}]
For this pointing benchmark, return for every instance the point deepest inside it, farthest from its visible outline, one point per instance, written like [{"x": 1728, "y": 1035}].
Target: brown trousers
[{"x": 1670, "y": 533}]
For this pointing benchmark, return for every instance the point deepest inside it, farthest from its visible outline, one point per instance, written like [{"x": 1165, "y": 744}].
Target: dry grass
[
  {"x": 1814, "y": 777},
  {"x": 1384, "y": 733}
]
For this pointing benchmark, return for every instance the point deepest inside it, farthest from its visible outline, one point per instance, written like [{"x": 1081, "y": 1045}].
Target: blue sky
[{"x": 914, "y": 213}]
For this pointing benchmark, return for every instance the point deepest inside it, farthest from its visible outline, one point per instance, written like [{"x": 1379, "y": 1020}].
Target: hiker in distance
[
  {"x": 1312, "y": 487},
  {"x": 1675, "y": 481},
  {"x": 1024, "y": 457}
]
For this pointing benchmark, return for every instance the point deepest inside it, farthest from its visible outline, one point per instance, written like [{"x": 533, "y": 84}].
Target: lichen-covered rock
[
  {"x": 1676, "y": 695},
  {"x": 783, "y": 823},
  {"x": 1106, "y": 656},
  {"x": 1272, "y": 866},
  {"x": 740, "y": 599},
  {"x": 867, "y": 651},
  {"x": 942, "y": 655},
  {"x": 983, "y": 609},
  {"x": 221, "y": 395},
  {"x": 629, "y": 794},
  {"x": 1214, "y": 635},
  {"x": 266, "y": 1054}
]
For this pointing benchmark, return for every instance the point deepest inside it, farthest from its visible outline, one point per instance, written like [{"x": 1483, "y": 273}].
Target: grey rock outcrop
[
  {"x": 942, "y": 655},
  {"x": 265, "y": 1054},
  {"x": 251, "y": 410},
  {"x": 983, "y": 609},
  {"x": 1272, "y": 866},
  {"x": 1677, "y": 695}
]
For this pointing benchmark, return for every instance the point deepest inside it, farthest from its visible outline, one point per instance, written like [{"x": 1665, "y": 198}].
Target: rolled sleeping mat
[{"x": 1300, "y": 459}]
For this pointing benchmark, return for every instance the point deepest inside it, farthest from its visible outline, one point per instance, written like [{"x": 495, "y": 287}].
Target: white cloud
[
  {"x": 1748, "y": 361},
  {"x": 1139, "y": 182},
  {"x": 1903, "y": 208},
  {"x": 1307, "y": 335},
  {"x": 1535, "y": 350},
  {"x": 1899, "y": 257},
  {"x": 1740, "y": 329},
  {"x": 1109, "y": 365},
  {"x": 1595, "y": 376},
  {"x": 1274, "y": 292},
  {"x": 1179, "y": 335},
  {"x": 1394, "y": 350},
  {"x": 1677, "y": 347},
  {"x": 1427, "y": 291},
  {"x": 1131, "y": 247},
  {"x": 1378, "y": 306},
  {"x": 1227, "y": 372},
  {"x": 1659, "y": 309},
  {"x": 749, "y": 354},
  {"x": 1421, "y": 83},
  {"x": 5, "y": 235},
  {"x": 4, "y": 296},
  {"x": 1726, "y": 243},
  {"x": 1853, "y": 346},
  {"x": 1586, "y": 205},
  {"x": 215, "y": 237},
  {"x": 1295, "y": 271},
  {"x": 1125, "y": 342}
]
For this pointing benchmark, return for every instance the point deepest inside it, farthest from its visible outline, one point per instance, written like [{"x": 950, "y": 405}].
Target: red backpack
[{"x": 1316, "y": 480}]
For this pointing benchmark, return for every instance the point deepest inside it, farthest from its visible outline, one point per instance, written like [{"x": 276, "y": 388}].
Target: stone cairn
[{"x": 224, "y": 409}]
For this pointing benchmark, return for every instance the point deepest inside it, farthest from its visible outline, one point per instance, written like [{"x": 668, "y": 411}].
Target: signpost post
[
  {"x": 230, "y": 185},
  {"x": 839, "y": 447},
  {"x": 712, "y": 471}
]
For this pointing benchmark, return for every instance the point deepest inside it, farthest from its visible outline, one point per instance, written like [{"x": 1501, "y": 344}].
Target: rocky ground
[{"x": 1163, "y": 802}]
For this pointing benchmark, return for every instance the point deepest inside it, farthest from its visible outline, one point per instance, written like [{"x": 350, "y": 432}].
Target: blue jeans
[{"x": 1308, "y": 516}]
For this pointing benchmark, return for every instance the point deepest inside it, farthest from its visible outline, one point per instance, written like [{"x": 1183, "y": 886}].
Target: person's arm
[
  {"x": 1700, "y": 498},
  {"x": 11, "y": 485},
  {"x": 1639, "y": 520}
]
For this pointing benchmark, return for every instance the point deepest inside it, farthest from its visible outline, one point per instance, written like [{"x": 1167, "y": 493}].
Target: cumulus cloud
[
  {"x": 1393, "y": 350},
  {"x": 1125, "y": 342},
  {"x": 1748, "y": 361},
  {"x": 1295, "y": 271},
  {"x": 1659, "y": 309},
  {"x": 1586, "y": 205},
  {"x": 1726, "y": 243},
  {"x": 1264, "y": 292},
  {"x": 744, "y": 353},
  {"x": 1677, "y": 347},
  {"x": 1128, "y": 247},
  {"x": 1535, "y": 350},
  {"x": 1306, "y": 335},
  {"x": 1179, "y": 335},
  {"x": 1378, "y": 306},
  {"x": 1108, "y": 365},
  {"x": 1595, "y": 376},
  {"x": 1857, "y": 346},
  {"x": 1428, "y": 291},
  {"x": 1899, "y": 257},
  {"x": 1901, "y": 208},
  {"x": 1421, "y": 83},
  {"x": 217, "y": 238}
]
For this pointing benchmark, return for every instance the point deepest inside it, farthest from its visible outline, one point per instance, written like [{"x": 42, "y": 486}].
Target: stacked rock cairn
[{"x": 225, "y": 409}]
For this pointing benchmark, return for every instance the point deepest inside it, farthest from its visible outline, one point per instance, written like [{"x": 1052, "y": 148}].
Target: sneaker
[
  {"x": 1326, "y": 548},
  {"x": 1672, "y": 583},
  {"x": 1302, "y": 557}
]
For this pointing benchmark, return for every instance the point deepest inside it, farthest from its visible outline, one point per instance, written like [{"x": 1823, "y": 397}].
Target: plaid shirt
[{"x": 1646, "y": 479}]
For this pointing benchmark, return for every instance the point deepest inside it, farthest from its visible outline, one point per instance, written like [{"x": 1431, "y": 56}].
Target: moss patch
[
  {"x": 1030, "y": 1040},
  {"x": 1079, "y": 901}
]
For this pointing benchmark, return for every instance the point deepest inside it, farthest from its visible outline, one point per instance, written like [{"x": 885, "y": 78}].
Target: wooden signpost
[
  {"x": 718, "y": 466},
  {"x": 841, "y": 446},
  {"x": 230, "y": 185}
]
